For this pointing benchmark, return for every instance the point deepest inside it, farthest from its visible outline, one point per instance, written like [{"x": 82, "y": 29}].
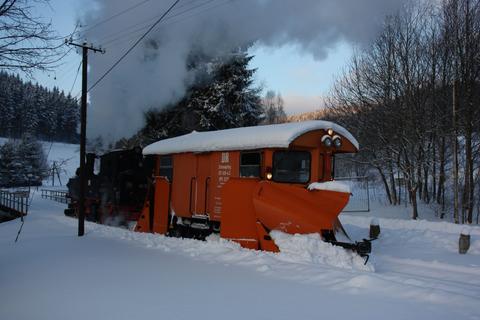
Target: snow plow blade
[{"x": 251, "y": 205}]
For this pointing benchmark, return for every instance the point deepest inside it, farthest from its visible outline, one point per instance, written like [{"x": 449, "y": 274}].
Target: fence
[
  {"x": 55, "y": 195},
  {"x": 360, "y": 199},
  {"x": 15, "y": 202}
]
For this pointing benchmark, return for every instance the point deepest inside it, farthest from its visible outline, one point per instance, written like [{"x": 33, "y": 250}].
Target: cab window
[
  {"x": 166, "y": 167},
  {"x": 250, "y": 163},
  {"x": 291, "y": 166}
]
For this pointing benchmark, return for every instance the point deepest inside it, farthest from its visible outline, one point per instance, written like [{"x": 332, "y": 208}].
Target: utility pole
[{"x": 83, "y": 128}]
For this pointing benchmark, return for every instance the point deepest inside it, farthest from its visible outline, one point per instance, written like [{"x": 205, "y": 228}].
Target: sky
[
  {"x": 297, "y": 75},
  {"x": 300, "y": 47}
]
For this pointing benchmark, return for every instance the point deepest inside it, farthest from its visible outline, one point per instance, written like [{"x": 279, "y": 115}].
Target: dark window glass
[
  {"x": 333, "y": 166},
  {"x": 166, "y": 167},
  {"x": 291, "y": 166},
  {"x": 250, "y": 164}
]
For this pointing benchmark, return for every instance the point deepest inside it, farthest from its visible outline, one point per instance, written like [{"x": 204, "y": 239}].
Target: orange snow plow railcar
[{"x": 245, "y": 182}]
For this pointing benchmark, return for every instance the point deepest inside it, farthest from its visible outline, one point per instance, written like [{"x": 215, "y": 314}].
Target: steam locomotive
[
  {"x": 116, "y": 194},
  {"x": 241, "y": 183}
]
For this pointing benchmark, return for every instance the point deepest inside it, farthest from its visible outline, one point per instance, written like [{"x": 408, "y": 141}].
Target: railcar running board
[
  {"x": 201, "y": 226},
  {"x": 200, "y": 216}
]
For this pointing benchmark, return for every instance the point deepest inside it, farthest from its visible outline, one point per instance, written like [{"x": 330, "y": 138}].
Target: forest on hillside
[
  {"x": 30, "y": 109},
  {"x": 29, "y": 113}
]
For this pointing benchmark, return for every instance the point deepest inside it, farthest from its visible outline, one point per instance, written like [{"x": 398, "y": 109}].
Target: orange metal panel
[
  {"x": 160, "y": 209},
  {"x": 184, "y": 169},
  {"x": 238, "y": 221},
  {"x": 294, "y": 209},
  {"x": 202, "y": 183},
  {"x": 198, "y": 180},
  {"x": 161, "y": 205},
  {"x": 225, "y": 165},
  {"x": 313, "y": 139}
]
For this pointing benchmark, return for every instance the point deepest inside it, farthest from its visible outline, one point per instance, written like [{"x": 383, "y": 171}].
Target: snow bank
[
  {"x": 417, "y": 274},
  {"x": 330, "y": 186},
  {"x": 422, "y": 225},
  {"x": 309, "y": 248},
  {"x": 247, "y": 138}
]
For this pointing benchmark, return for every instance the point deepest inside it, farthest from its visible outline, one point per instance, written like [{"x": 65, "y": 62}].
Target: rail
[
  {"x": 15, "y": 202},
  {"x": 55, "y": 195}
]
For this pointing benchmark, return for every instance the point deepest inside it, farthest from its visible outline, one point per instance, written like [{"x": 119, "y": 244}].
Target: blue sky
[{"x": 301, "y": 80}]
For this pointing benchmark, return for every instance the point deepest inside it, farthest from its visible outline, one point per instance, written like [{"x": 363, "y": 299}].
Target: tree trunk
[
  {"x": 434, "y": 172},
  {"x": 419, "y": 174},
  {"x": 469, "y": 182},
  {"x": 455, "y": 154},
  {"x": 441, "y": 174},
  {"x": 393, "y": 185},
  {"x": 413, "y": 197},
  {"x": 426, "y": 196},
  {"x": 385, "y": 183}
]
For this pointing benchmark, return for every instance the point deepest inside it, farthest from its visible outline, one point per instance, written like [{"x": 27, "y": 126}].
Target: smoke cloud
[{"x": 156, "y": 72}]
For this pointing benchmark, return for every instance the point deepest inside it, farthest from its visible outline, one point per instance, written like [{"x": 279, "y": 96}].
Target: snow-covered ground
[
  {"x": 66, "y": 156},
  {"x": 415, "y": 271}
]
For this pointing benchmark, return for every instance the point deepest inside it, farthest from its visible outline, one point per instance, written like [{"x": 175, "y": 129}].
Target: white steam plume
[{"x": 155, "y": 73}]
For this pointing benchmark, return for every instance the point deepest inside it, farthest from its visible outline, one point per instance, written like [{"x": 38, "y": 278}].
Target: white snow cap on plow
[
  {"x": 246, "y": 138},
  {"x": 330, "y": 186}
]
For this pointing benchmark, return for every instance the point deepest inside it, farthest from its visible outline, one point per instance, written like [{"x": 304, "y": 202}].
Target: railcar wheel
[{"x": 175, "y": 232}]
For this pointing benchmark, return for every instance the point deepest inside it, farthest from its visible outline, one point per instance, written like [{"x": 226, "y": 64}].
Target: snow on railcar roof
[{"x": 245, "y": 138}]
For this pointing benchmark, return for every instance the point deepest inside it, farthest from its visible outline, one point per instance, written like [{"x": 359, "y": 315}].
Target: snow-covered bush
[{"x": 22, "y": 163}]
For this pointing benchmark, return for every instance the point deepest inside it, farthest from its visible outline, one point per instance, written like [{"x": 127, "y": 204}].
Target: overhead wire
[
  {"x": 134, "y": 45},
  {"x": 142, "y": 25},
  {"x": 76, "y": 76},
  {"x": 133, "y": 33},
  {"x": 118, "y": 14},
  {"x": 163, "y": 17}
]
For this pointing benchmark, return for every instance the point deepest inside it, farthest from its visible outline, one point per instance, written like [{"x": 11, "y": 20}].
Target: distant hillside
[
  {"x": 27, "y": 108},
  {"x": 313, "y": 115}
]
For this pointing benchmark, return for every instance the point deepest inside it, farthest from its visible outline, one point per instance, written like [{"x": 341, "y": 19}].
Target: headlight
[
  {"x": 330, "y": 132},
  {"x": 337, "y": 141},
  {"x": 268, "y": 173},
  {"x": 327, "y": 141}
]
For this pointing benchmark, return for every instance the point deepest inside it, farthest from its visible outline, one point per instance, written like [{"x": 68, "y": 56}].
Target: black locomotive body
[{"x": 117, "y": 193}]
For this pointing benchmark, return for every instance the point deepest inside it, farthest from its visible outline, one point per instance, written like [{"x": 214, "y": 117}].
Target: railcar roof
[{"x": 246, "y": 138}]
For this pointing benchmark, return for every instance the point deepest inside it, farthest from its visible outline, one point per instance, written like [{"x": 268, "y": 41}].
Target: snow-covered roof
[{"x": 246, "y": 138}]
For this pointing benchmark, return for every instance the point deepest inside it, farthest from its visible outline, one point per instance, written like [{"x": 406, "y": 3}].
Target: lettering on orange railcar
[{"x": 224, "y": 172}]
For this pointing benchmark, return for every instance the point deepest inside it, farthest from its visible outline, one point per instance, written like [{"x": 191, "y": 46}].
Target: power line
[
  {"x": 115, "y": 15},
  {"x": 76, "y": 76},
  {"x": 134, "y": 45},
  {"x": 145, "y": 23},
  {"x": 133, "y": 33}
]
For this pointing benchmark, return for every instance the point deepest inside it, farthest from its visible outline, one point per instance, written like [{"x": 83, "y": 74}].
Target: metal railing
[
  {"x": 15, "y": 201},
  {"x": 360, "y": 199},
  {"x": 55, "y": 195}
]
